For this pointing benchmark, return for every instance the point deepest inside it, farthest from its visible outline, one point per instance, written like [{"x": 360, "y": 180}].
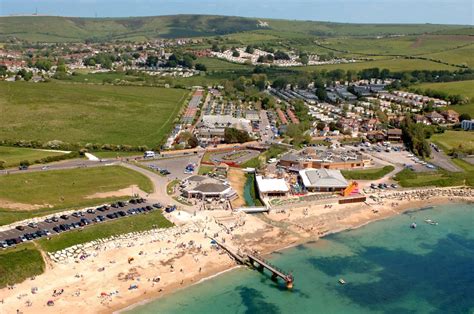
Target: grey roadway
[
  {"x": 441, "y": 160},
  {"x": 159, "y": 183}
]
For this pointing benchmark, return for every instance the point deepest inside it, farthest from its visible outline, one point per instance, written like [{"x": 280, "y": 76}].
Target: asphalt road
[
  {"x": 15, "y": 233},
  {"x": 441, "y": 160},
  {"x": 176, "y": 165},
  {"x": 62, "y": 165}
]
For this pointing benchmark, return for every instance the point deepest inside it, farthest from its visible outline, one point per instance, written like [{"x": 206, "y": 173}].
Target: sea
[{"x": 388, "y": 267}]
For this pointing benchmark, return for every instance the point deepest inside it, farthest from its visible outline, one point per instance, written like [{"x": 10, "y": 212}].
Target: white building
[
  {"x": 268, "y": 187},
  {"x": 467, "y": 125}
]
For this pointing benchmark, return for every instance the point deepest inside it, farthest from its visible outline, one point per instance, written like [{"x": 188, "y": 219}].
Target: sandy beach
[{"x": 118, "y": 273}]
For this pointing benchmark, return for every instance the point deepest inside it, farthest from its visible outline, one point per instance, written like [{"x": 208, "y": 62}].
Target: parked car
[
  {"x": 65, "y": 217},
  {"x": 91, "y": 211},
  {"x": 21, "y": 228}
]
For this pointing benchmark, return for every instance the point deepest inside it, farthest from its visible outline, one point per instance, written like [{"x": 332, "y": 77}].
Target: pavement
[{"x": 175, "y": 165}]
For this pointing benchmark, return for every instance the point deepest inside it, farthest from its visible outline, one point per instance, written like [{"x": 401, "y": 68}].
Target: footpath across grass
[
  {"x": 106, "y": 229},
  {"x": 58, "y": 190},
  {"x": 20, "y": 263},
  {"x": 367, "y": 174}
]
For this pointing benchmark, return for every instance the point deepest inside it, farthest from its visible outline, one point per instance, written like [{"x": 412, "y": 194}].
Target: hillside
[{"x": 70, "y": 29}]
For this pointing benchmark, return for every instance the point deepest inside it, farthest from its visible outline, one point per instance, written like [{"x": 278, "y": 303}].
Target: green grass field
[
  {"x": 454, "y": 140},
  {"x": 120, "y": 226},
  {"x": 20, "y": 263},
  {"x": 214, "y": 64},
  {"x": 83, "y": 113},
  {"x": 113, "y": 155},
  {"x": 465, "y": 88},
  {"x": 14, "y": 155},
  {"x": 367, "y": 174},
  {"x": 57, "y": 190}
]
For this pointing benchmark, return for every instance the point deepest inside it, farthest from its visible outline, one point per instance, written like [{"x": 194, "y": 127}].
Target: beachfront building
[
  {"x": 271, "y": 187},
  {"x": 467, "y": 125},
  {"x": 322, "y": 180},
  {"x": 204, "y": 188}
]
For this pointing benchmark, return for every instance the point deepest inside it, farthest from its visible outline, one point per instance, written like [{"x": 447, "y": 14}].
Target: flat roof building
[
  {"x": 202, "y": 187},
  {"x": 268, "y": 187},
  {"x": 323, "y": 180}
]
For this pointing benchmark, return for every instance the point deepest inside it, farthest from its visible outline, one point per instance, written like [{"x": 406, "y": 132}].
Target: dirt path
[{"x": 237, "y": 180}]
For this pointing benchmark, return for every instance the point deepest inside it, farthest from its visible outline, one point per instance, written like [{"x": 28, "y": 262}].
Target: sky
[{"x": 350, "y": 11}]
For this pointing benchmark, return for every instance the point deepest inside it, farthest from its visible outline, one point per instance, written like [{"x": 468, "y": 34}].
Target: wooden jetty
[{"x": 257, "y": 262}]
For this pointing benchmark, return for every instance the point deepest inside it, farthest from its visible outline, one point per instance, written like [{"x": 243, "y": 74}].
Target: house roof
[
  {"x": 394, "y": 132},
  {"x": 323, "y": 178},
  {"x": 268, "y": 185}
]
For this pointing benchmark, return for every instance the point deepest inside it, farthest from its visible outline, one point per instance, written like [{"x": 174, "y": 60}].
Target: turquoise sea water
[{"x": 388, "y": 267}]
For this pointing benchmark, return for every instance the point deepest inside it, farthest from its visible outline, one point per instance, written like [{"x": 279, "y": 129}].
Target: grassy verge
[
  {"x": 204, "y": 169},
  {"x": 20, "y": 263},
  {"x": 111, "y": 154},
  {"x": 171, "y": 185},
  {"x": 367, "y": 174},
  {"x": 440, "y": 178},
  {"x": 124, "y": 225},
  {"x": 12, "y": 156},
  {"x": 63, "y": 189}
]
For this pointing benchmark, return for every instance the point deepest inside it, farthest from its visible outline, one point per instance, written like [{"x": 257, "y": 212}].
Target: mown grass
[
  {"x": 86, "y": 113},
  {"x": 465, "y": 88},
  {"x": 20, "y": 263},
  {"x": 440, "y": 178},
  {"x": 12, "y": 156},
  {"x": 205, "y": 169},
  {"x": 367, "y": 174},
  {"x": 64, "y": 189},
  {"x": 142, "y": 222}
]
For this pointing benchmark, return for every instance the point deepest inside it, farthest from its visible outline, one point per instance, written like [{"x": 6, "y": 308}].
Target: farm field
[
  {"x": 454, "y": 139},
  {"x": 83, "y": 113},
  {"x": 27, "y": 195},
  {"x": 405, "y": 45},
  {"x": 12, "y": 156},
  {"x": 465, "y": 88},
  {"x": 154, "y": 219},
  {"x": 214, "y": 64},
  {"x": 461, "y": 56}
]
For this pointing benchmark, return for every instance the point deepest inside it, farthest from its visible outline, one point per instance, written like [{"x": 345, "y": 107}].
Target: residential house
[
  {"x": 451, "y": 116},
  {"x": 435, "y": 118}
]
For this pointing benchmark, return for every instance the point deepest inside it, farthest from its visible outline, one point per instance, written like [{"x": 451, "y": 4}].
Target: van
[{"x": 149, "y": 154}]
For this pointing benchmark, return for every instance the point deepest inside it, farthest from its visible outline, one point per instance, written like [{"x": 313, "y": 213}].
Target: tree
[
  {"x": 201, "y": 67},
  {"x": 280, "y": 82},
  {"x": 281, "y": 55},
  {"x": 3, "y": 70},
  {"x": 151, "y": 61},
  {"x": 215, "y": 48},
  {"x": 232, "y": 135},
  {"x": 304, "y": 59},
  {"x": 249, "y": 49},
  {"x": 43, "y": 64},
  {"x": 235, "y": 53},
  {"x": 464, "y": 116}
]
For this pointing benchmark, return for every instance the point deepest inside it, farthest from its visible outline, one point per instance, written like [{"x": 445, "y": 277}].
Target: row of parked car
[
  {"x": 65, "y": 226},
  {"x": 162, "y": 171},
  {"x": 383, "y": 186}
]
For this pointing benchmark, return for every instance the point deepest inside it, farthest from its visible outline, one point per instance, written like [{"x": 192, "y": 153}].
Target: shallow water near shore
[{"x": 388, "y": 268}]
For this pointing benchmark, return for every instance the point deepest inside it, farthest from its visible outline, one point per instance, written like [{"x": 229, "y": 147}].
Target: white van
[{"x": 149, "y": 154}]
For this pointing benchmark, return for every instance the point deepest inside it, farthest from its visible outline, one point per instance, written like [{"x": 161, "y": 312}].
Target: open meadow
[
  {"x": 27, "y": 195},
  {"x": 20, "y": 263},
  {"x": 83, "y": 113}
]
